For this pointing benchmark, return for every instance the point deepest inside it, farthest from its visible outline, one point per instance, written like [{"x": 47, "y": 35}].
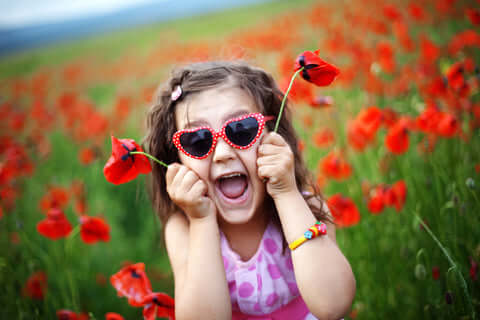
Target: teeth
[{"x": 231, "y": 175}]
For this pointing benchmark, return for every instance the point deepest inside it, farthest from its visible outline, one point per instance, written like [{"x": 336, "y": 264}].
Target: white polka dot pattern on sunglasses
[{"x": 260, "y": 123}]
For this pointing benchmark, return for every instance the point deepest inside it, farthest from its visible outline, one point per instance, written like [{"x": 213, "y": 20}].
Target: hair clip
[{"x": 176, "y": 93}]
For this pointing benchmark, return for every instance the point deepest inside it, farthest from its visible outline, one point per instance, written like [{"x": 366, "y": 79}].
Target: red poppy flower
[
  {"x": 86, "y": 156},
  {"x": 386, "y": 56},
  {"x": 447, "y": 126},
  {"x": 363, "y": 128},
  {"x": 300, "y": 147},
  {"x": 55, "y": 225},
  {"x": 122, "y": 166},
  {"x": 397, "y": 140},
  {"x": 391, "y": 12},
  {"x": 158, "y": 305},
  {"x": 344, "y": 210},
  {"x": 66, "y": 315},
  {"x": 323, "y": 138},
  {"x": 122, "y": 108},
  {"x": 132, "y": 282},
  {"x": 285, "y": 64},
  {"x": 435, "y": 273},
  {"x": 473, "y": 15},
  {"x": 430, "y": 52},
  {"x": 56, "y": 197},
  {"x": 83, "y": 316},
  {"x": 36, "y": 285},
  {"x": 315, "y": 69},
  {"x": 416, "y": 11},
  {"x": 335, "y": 166},
  {"x": 356, "y": 136},
  {"x": 427, "y": 121},
  {"x": 466, "y": 38},
  {"x": 400, "y": 29},
  {"x": 436, "y": 87},
  {"x": 456, "y": 76},
  {"x": 396, "y": 195},
  {"x": 94, "y": 229},
  {"x": 376, "y": 201},
  {"x": 113, "y": 316}
]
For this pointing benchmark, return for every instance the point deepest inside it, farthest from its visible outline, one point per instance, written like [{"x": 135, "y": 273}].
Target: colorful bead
[{"x": 308, "y": 234}]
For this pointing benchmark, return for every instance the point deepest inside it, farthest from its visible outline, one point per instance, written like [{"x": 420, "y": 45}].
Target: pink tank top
[{"x": 265, "y": 285}]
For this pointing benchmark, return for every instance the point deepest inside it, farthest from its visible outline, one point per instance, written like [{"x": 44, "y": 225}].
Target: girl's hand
[
  {"x": 276, "y": 164},
  {"x": 188, "y": 192}
]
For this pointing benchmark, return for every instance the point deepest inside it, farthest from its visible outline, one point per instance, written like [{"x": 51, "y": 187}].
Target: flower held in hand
[
  {"x": 315, "y": 70},
  {"x": 123, "y": 166}
]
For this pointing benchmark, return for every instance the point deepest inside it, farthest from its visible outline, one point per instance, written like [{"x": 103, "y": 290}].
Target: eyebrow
[{"x": 202, "y": 122}]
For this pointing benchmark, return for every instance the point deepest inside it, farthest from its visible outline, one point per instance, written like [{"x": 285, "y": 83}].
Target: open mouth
[{"x": 233, "y": 187}]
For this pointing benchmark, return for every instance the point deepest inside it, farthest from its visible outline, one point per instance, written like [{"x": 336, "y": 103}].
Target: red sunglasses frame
[{"x": 261, "y": 119}]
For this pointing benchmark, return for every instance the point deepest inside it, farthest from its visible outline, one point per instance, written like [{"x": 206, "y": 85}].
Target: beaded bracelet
[{"x": 319, "y": 228}]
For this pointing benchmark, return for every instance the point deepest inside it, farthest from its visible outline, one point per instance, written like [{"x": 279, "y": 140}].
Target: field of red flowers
[{"x": 394, "y": 143}]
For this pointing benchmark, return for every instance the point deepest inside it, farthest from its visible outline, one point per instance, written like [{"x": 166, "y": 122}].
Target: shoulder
[
  {"x": 176, "y": 241},
  {"x": 315, "y": 202}
]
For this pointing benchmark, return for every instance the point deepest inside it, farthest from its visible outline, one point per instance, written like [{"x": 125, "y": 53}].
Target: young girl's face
[{"x": 230, "y": 173}]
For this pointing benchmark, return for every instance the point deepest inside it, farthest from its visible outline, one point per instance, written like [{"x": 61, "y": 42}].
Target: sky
[{"x": 22, "y": 13}]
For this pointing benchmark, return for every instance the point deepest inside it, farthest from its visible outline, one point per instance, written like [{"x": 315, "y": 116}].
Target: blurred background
[{"x": 393, "y": 142}]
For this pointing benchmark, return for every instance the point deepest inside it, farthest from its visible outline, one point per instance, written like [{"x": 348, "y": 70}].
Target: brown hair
[{"x": 202, "y": 76}]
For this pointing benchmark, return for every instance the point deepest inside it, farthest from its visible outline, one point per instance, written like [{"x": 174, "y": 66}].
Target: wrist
[
  {"x": 203, "y": 220},
  {"x": 287, "y": 195}
]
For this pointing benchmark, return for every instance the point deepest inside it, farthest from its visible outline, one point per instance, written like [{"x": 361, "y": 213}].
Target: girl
[{"x": 233, "y": 198}]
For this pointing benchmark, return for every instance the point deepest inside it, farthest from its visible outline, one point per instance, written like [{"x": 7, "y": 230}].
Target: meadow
[{"x": 393, "y": 144}]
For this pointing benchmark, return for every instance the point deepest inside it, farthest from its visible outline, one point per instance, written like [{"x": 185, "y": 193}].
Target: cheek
[
  {"x": 200, "y": 167},
  {"x": 250, "y": 157}
]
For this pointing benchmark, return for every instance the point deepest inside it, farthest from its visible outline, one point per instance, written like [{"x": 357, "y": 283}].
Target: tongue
[{"x": 233, "y": 187}]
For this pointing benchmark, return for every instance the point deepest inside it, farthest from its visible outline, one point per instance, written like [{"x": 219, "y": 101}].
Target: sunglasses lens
[
  {"x": 197, "y": 143},
  {"x": 242, "y": 132}
]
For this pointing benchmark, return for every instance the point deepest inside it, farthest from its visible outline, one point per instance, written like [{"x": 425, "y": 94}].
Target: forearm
[
  {"x": 324, "y": 276},
  {"x": 204, "y": 290}
]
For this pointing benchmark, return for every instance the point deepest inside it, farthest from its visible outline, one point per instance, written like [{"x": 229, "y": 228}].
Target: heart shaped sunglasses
[{"x": 240, "y": 133}]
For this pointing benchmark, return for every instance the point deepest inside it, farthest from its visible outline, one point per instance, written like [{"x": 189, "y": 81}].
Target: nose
[{"x": 223, "y": 151}]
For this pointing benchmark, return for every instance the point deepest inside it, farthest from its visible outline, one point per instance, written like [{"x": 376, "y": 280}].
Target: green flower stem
[
  {"x": 285, "y": 98},
  {"x": 452, "y": 263},
  {"x": 68, "y": 254},
  {"x": 151, "y": 157}
]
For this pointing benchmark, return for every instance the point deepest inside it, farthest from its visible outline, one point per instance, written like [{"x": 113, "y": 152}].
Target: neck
[{"x": 245, "y": 238}]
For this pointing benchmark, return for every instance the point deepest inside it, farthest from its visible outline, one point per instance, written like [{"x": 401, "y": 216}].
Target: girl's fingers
[
  {"x": 267, "y": 149},
  {"x": 189, "y": 179},
  {"x": 269, "y": 160},
  {"x": 178, "y": 178},
  {"x": 274, "y": 138},
  {"x": 267, "y": 172},
  {"x": 198, "y": 189},
  {"x": 172, "y": 172}
]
